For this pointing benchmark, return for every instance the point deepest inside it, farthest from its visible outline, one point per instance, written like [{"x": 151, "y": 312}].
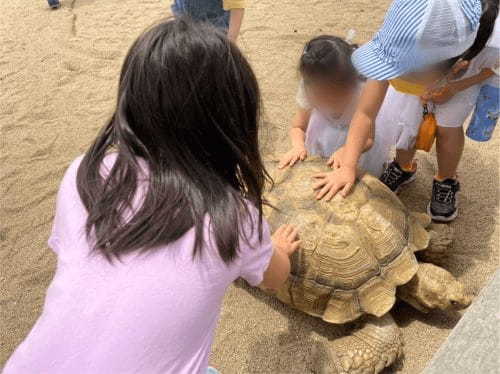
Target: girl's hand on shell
[
  {"x": 286, "y": 239},
  {"x": 329, "y": 184},
  {"x": 292, "y": 157},
  {"x": 335, "y": 161}
]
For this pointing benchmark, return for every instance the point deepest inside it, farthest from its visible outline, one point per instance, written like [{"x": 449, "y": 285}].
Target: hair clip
[{"x": 351, "y": 34}]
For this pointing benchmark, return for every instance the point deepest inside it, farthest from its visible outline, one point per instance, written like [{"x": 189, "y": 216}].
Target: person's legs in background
[
  {"x": 54, "y": 4},
  {"x": 211, "y": 11}
]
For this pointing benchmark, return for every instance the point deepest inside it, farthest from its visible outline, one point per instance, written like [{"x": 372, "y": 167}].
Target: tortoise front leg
[{"x": 370, "y": 349}]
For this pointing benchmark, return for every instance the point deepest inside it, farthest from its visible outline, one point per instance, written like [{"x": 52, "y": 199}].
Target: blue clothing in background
[
  {"x": 203, "y": 10},
  {"x": 485, "y": 116}
]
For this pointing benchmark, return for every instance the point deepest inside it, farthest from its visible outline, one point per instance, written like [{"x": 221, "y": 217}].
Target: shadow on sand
[{"x": 307, "y": 346}]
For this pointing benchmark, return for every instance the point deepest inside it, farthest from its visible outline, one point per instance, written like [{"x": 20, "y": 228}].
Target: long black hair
[
  {"x": 188, "y": 105},
  {"x": 486, "y": 26},
  {"x": 328, "y": 56}
]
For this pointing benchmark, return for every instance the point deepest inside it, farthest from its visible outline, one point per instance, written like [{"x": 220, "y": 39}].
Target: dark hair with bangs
[
  {"x": 188, "y": 105},
  {"x": 329, "y": 57}
]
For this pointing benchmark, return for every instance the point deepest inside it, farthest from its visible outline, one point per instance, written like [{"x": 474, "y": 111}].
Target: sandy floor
[{"x": 58, "y": 74}]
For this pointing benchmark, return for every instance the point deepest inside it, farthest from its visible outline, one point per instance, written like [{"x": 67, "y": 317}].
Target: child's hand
[
  {"x": 459, "y": 66},
  {"x": 440, "y": 95},
  {"x": 286, "y": 239},
  {"x": 328, "y": 184},
  {"x": 292, "y": 156},
  {"x": 335, "y": 160}
]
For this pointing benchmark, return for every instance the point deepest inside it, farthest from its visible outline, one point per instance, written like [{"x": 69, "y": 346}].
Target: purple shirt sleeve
[
  {"x": 255, "y": 254},
  {"x": 67, "y": 195}
]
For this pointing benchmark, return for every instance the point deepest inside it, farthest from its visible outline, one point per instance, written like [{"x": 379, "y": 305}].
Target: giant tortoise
[{"x": 357, "y": 256}]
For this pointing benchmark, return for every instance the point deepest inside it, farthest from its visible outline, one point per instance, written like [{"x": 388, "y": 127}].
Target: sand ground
[{"x": 58, "y": 75}]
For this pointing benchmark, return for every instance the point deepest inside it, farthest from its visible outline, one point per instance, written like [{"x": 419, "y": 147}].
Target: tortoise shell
[{"x": 354, "y": 252}]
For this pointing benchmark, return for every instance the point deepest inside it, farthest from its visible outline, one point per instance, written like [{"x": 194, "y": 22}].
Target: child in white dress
[{"x": 327, "y": 96}]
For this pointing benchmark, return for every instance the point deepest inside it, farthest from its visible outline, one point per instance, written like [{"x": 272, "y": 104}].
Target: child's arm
[
  {"x": 298, "y": 137},
  {"x": 369, "y": 143},
  {"x": 362, "y": 128},
  {"x": 359, "y": 139},
  {"x": 285, "y": 242},
  {"x": 237, "y": 11},
  {"x": 443, "y": 94}
]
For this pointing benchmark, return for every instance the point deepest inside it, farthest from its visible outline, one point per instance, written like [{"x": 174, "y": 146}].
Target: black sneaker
[
  {"x": 394, "y": 177},
  {"x": 444, "y": 206}
]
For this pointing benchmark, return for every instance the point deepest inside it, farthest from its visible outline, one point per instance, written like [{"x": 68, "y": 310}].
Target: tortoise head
[
  {"x": 435, "y": 288},
  {"x": 456, "y": 297},
  {"x": 441, "y": 290}
]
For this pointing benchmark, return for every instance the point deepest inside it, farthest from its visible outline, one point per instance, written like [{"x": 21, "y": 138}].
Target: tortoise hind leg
[{"x": 371, "y": 348}]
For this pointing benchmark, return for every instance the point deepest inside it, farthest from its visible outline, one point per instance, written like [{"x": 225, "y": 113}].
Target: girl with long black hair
[{"x": 160, "y": 215}]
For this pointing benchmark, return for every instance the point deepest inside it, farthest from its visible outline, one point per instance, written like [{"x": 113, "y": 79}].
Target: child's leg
[
  {"x": 401, "y": 171},
  {"x": 449, "y": 147},
  {"x": 404, "y": 157}
]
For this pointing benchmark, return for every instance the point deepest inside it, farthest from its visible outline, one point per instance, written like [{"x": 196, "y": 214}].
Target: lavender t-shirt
[{"x": 148, "y": 313}]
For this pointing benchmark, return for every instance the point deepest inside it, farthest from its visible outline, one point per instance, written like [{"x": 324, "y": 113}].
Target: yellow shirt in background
[{"x": 234, "y": 4}]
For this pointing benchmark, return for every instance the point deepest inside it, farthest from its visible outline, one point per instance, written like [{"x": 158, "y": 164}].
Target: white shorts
[
  {"x": 403, "y": 114},
  {"x": 454, "y": 112}
]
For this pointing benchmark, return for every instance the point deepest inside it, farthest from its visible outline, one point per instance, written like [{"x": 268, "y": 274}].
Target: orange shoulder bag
[{"x": 427, "y": 130}]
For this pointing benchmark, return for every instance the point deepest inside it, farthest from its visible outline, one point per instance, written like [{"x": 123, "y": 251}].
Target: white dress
[{"x": 326, "y": 134}]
